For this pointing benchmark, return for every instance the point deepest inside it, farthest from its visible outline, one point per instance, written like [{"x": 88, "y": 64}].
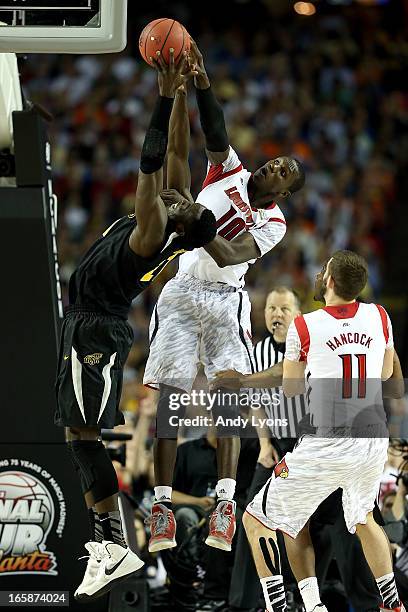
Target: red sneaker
[
  {"x": 222, "y": 526},
  {"x": 162, "y": 528},
  {"x": 400, "y": 608}
]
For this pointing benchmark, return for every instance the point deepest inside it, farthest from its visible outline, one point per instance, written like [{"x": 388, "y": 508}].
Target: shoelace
[
  {"x": 94, "y": 553},
  {"x": 159, "y": 522}
]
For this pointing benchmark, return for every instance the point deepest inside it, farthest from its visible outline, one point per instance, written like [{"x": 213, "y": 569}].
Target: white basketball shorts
[
  {"x": 194, "y": 322},
  {"x": 308, "y": 475}
]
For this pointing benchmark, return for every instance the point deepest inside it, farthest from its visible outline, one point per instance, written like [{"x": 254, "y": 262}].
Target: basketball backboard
[
  {"x": 63, "y": 26},
  {"x": 10, "y": 97}
]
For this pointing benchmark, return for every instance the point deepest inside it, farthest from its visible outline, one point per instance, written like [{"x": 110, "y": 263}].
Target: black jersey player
[{"x": 96, "y": 338}]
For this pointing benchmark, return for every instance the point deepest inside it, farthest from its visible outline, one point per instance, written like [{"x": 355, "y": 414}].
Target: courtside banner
[{"x": 43, "y": 522}]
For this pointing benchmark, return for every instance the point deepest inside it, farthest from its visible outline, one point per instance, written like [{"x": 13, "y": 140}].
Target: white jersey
[
  {"x": 225, "y": 193},
  {"x": 345, "y": 342}
]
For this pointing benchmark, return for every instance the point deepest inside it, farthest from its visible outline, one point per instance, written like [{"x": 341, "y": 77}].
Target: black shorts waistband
[{"x": 83, "y": 309}]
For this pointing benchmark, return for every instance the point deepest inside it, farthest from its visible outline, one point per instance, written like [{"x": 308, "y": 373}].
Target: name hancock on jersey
[{"x": 349, "y": 338}]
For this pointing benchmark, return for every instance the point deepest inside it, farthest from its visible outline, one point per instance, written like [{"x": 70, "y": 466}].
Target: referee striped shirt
[{"x": 266, "y": 354}]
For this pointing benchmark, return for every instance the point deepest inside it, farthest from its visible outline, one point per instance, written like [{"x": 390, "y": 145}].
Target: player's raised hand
[
  {"x": 201, "y": 81},
  {"x": 171, "y": 76}
]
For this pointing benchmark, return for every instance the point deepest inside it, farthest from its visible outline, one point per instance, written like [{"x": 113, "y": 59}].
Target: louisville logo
[
  {"x": 281, "y": 470},
  {"x": 93, "y": 359}
]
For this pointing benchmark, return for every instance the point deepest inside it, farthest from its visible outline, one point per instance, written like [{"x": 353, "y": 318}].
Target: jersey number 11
[{"x": 348, "y": 375}]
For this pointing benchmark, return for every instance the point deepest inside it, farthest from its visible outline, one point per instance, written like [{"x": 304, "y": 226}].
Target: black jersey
[{"x": 111, "y": 275}]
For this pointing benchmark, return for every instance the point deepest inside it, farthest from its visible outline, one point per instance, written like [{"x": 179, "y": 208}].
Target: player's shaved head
[{"x": 299, "y": 174}]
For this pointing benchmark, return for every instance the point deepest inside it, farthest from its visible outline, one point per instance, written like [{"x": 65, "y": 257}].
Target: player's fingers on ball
[
  {"x": 171, "y": 60},
  {"x": 182, "y": 66},
  {"x": 155, "y": 64},
  {"x": 161, "y": 62}
]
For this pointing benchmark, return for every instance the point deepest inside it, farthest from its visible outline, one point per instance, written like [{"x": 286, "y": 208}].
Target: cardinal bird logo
[{"x": 281, "y": 469}]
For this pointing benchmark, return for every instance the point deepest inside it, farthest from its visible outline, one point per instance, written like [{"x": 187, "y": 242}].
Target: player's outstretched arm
[
  {"x": 231, "y": 379},
  {"x": 226, "y": 253},
  {"x": 178, "y": 169},
  {"x": 150, "y": 211},
  {"x": 211, "y": 113}
]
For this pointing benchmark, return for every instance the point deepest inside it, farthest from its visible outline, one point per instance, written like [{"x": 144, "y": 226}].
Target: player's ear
[
  {"x": 285, "y": 194},
  {"x": 180, "y": 229},
  {"x": 330, "y": 282}
]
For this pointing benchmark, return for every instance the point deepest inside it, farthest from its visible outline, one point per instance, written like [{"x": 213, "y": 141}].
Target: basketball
[{"x": 162, "y": 35}]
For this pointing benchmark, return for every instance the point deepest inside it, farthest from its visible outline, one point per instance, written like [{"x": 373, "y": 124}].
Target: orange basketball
[{"x": 161, "y": 35}]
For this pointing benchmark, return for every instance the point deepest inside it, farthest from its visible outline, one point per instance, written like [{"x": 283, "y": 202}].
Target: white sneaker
[
  {"x": 116, "y": 564},
  {"x": 96, "y": 551}
]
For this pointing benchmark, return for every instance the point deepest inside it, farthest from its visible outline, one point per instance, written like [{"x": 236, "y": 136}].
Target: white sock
[
  {"x": 274, "y": 593},
  {"x": 225, "y": 488},
  {"x": 309, "y": 590},
  {"x": 163, "y": 494}
]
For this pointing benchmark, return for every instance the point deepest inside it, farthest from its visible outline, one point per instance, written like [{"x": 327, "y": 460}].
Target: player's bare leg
[
  {"x": 165, "y": 454},
  {"x": 223, "y": 521},
  {"x": 162, "y": 521},
  {"x": 228, "y": 450},
  {"x": 377, "y": 552},
  {"x": 266, "y": 556},
  {"x": 301, "y": 557}
]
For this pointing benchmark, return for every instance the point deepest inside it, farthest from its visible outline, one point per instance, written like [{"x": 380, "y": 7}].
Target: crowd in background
[{"x": 328, "y": 90}]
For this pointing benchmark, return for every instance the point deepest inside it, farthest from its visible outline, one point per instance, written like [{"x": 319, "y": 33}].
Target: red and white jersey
[
  {"x": 324, "y": 337},
  {"x": 225, "y": 193},
  {"x": 344, "y": 342}
]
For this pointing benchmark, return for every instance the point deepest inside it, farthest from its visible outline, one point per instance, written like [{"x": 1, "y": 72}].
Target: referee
[{"x": 289, "y": 415}]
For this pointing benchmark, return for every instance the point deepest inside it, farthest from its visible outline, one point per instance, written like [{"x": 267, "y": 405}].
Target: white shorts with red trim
[
  {"x": 308, "y": 475},
  {"x": 195, "y": 322}
]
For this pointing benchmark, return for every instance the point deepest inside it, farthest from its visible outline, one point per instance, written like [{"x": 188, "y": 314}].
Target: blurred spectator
[{"x": 329, "y": 89}]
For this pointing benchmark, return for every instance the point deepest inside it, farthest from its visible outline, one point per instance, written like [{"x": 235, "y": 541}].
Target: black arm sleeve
[
  {"x": 212, "y": 120},
  {"x": 155, "y": 142}
]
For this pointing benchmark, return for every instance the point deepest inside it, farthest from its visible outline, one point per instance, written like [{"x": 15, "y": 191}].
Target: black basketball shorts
[{"x": 93, "y": 351}]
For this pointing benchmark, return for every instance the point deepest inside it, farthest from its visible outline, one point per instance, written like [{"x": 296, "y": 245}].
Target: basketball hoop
[{"x": 63, "y": 26}]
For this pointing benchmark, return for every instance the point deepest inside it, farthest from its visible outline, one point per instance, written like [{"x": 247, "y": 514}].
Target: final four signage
[{"x": 32, "y": 507}]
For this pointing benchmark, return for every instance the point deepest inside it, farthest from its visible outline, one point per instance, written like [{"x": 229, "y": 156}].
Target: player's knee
[
  {"x": 95, "y": 467},
  {"x": 82, "y": 433},
  {"x": 370, "y": 522}
]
